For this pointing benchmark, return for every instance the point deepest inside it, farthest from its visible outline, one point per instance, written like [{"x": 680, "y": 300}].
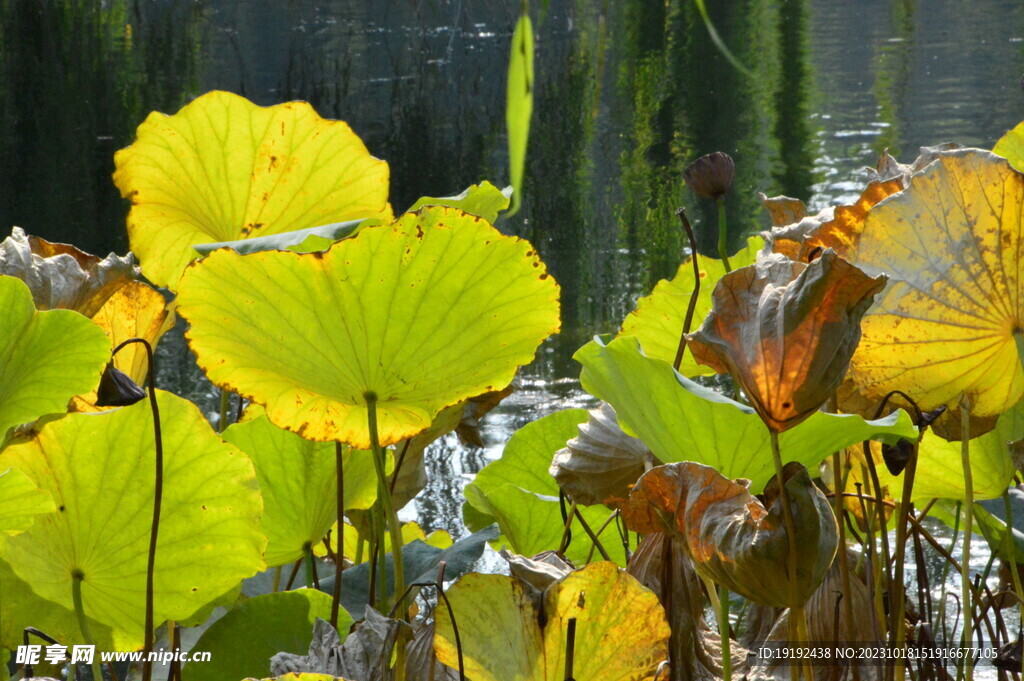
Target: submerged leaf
[
  {"x": 505, "y": 637},
  {"x": 60, "y": 276},
  {"x": 657, "y": 321},
  {"x": 457, "y": 307},
  {"x": 99, "y": 469},
  {"x": 733, "y": 538},
  {"x": 45, "y": 357},
  {"x": 223, "y": 168},
  {"x": 949, "y": 321},
  {"x": 602, "y": 462},
  {"x": 786, "y": 331},
  {"x": 682, "y": 421}
]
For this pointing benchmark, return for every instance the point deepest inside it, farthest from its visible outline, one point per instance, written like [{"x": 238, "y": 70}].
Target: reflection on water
[{"x": 628, "y": 93}]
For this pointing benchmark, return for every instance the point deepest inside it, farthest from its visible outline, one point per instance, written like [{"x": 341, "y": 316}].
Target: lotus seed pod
[{"x": 710, "y": 176}]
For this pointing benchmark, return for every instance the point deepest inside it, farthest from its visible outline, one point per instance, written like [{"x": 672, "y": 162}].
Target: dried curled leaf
[
  {"x": 888, "y": 168},
  {"x": 541, "y": 571},
  {"x": 602, "y": 462},
  {"x": 786, "y": 331},
  {"x": 784, "y": 210},
  {"x": 732, "y": 537},
  {"x": 60, "y": 276}
]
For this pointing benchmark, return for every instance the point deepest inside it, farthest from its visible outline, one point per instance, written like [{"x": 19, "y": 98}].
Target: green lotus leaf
[
  {"x": 300, "y": 240},
  {"x": 657, "y": 321},
  {"x": 46, "y": 358},
  {"x": 242, "y": 642},
  {"x": 682, "y": 421},
  {"x": 519, "y": 104},
  {"x": 518, "y": 493},
  {"x": 298, "y": 481},
  {"x": 423, "y": 313},
  {"x": 483, "y": 200},
  {"x": 20, "y": 502},
  {"x": 621, "y": 631},
  {"x": 100, "y": 469},
  {"x": 1011, "y": 147},
  {"x": 223, "y": 168}
]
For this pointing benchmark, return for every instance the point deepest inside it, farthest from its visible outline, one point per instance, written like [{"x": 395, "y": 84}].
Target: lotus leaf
[
  {"x": 99, "y": 469},
  {"x": 518, "y": 493},
  {"x": 20, "y": 502},
  {"x": 242, "y": 642},
  {"x": 519, "y": 104},
  {"x": 601, "y": 463},
  {"x": 422, "y": 314},
  {"x": 307, "y": 240},
  {"x": 733, "y": 538},
  {"x": 507, "y": 637},
  {"x": 483, "y": 200},
  {"x": 223, "y": 168},
  {"x": 1011, "y": 147},
  {"x": 838, "y": 229},
  {"x": 411, "y": 531},
  {"x": 680, "y": 420},
  {"x": 888, "y": 168},
  {"x": 786, "y": 331},
  {"x": 298, "y": 481},
  {"x": 948, "y": 322},
  {"x": 62, "y": 277},
  {"x": 784, "y": 210},
  {"x": 46, "y": 358},
  {"x": 657, "y": 321}
]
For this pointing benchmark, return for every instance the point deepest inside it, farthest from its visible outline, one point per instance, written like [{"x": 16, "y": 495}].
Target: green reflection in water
[{"x": 892, "y": 66}]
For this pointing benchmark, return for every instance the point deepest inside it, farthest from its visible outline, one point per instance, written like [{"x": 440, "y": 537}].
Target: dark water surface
[{"x": 627, "y": 94}]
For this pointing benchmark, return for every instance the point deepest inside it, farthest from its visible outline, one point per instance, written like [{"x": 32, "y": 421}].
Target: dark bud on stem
[
  {"x": 929, "y": 417},
  {"x": 710, "y": 176},
  {"x": 117, "y": 390},
  {"x": 897, "y": 456}
]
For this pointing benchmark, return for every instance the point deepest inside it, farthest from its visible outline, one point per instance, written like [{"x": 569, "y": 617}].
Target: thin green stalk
[
  {"x": 692, "y": 305},
  {"x": 391, "y": 516},
  {"x": 309, "y": 566},
  {"x": 339, "y": 560},
  {"x": 1014, "y": 574},
  {"x": 945, "y": 565},
  {"x": 968, "y": 510},
  {"x": 225, "y": 404},
  {"x": 277, "y": 579},
  {"x": 723, "y": 630},
  {"x": 83, "y": 625},
  {"x": 723, "y": 236}
]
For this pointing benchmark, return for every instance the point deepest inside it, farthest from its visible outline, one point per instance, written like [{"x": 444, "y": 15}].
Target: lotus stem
[
  {"x": 946, "y": 564},
  {"x": 795, "y": 613},
  {"x": 339, "y": 560},
  {"x": 225, "y": 406},
  {"x": 897, "y": 627},
  {"x": 570, "y": 649},
  {"x": 968, "y": 511},
  {"x": 723, "y": 235},
  {"x": 1014, "y": 574},
  {"x": 308, "y": 560},
  {"x": 158, "y": 495},
  {"x": 692, "y": 305},
  {"x": 277, "y": 579},
  {"x": 77, "y": 576},
  {"x": 723, "y": 631},
  {"x": 391, "y": 516}
]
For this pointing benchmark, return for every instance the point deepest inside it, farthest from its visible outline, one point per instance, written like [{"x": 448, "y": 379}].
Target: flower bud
[
  {"x": 117, "y": 389},
  {"x": 710, "y": 176}
]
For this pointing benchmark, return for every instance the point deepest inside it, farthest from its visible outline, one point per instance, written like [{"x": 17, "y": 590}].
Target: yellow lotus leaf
[
  {"x": 657, "y": 321},
  {"x": 223, "y": 169},
  {"x": 947, "y": 324},
  {"x": 421, "y": 314},
  {"x": 786, "y": 331},
  {"x": 1011, "y": 147},
  {"x": 136, "y": 310},
  {"x": 621, "y": 630}
]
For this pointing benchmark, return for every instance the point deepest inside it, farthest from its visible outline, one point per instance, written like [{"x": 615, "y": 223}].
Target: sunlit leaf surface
[
  {"x": 45, "y": 357},
  {"x": 298, "y": 482},
  {"x": 682, "y": 421},
  {"x": 621, "y": 631},
  {"x": 483, "y": 200},
  {"x": 20, "y": 502},
  {"x": 734, "y": 538},
  {"x": 100, "y": 470},
  {"x": 657, "y": 321},
  {"x": 948, "y": 321},
  {"x": 423, "y": 313},
  {"x": 1011, "y": 147},
  {"x": 519, "y": 104},
  {"x": 223, "y": 168}
]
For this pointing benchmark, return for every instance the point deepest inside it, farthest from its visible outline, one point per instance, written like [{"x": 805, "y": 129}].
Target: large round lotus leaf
[
  {"x": 682, "y": 421},
  {"x": 621, "y": 631},
  {"x": 947, "y": 323},
  {"x": 423, "y": 313},
  {"x": 242, "y": 642},
  {"x": 20, "y": 502},
  {"x": 298, "y": 480},
  {"x": 99, "y": 469},
  {"x": 518, "y": 493},
  {"x": 46, "y": 358},
  {"x": 223, "y": 168},
  {"x": 657, "y": 321}
]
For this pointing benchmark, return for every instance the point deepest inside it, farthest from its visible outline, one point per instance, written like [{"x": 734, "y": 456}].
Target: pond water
[{"x": 627, "y": 94}]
